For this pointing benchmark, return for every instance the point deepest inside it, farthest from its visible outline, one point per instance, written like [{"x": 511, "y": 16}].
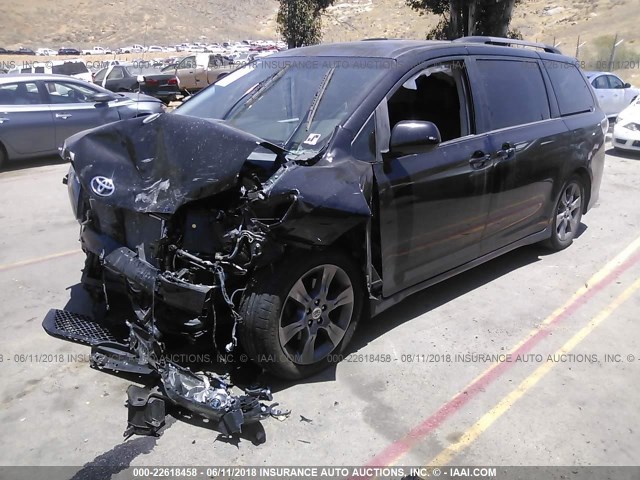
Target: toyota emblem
[{"x": 102, "y": 186}]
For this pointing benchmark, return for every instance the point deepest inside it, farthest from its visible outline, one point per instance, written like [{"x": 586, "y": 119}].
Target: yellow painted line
[
  {"x": 592, "y": 282},
  {"x": 595, "y": 279},
  {"x": 45, "y": 258},
  {"x": 472, "y": 434},
  {"x": 598, "y": 277}
]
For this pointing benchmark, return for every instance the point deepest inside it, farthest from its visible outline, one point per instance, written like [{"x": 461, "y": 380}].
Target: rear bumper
[{"x": 162, "y": 94}]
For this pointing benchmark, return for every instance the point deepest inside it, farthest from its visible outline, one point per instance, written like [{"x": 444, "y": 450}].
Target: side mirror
[
  {"x": 413, "y": 136},
  {"x": 627, "y": 85},
  {"x": 101, "y": 97}
]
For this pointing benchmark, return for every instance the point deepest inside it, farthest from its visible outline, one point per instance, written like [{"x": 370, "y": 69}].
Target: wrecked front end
[{"x": 176, "y": 214}]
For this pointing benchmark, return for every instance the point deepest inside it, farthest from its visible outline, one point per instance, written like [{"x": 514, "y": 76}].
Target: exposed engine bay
[{"x": 177, "y": 216}]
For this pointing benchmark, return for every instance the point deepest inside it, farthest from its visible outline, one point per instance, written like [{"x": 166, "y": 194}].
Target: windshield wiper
[
  {"x": 319, "y": 94},
  {"x": 255, "y": 92}
]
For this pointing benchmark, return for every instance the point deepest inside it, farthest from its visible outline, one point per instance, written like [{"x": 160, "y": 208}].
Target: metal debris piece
[{"x": 146, "y": 411}]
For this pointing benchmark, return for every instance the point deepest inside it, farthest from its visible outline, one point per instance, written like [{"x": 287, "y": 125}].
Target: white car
[
  {"x": 76, "y": 68},
  {"x": 155, "y": 49},
  {"x": 132, "y": 49},
  {"x": 46, "y": 52},
  {"x": 196, "y": 49},
  {"x": 97, "y": 51},
  {"x": 626, "y": 132},
  {"x": 614, "y": 95}
]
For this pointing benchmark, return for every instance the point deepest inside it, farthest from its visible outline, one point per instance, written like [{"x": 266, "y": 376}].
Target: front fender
[{"x": 328, "y": 200}]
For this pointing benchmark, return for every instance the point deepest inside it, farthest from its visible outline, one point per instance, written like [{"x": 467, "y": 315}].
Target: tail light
[
  {"x": 151, "y": 81},
  {"x": 172, "y": 81}
]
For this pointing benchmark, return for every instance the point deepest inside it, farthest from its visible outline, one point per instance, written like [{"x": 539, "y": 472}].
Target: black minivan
[{"x": 316, "y": 187}]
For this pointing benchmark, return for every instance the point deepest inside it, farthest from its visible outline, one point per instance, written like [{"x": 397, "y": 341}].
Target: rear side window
[
  {"x": 600, "y": 83},
  {"x": 21, "y": 93},
  {"x": 515, "y": 92},
  {"x": 116, "y": 74},
  {"x": 100, "y": 75},
  {"x": 572, "y": 91}
]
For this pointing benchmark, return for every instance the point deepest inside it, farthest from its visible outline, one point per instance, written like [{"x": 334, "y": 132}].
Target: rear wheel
[
  {"x": 567, "y": 215},
  {"x": 300, "y": 315}
]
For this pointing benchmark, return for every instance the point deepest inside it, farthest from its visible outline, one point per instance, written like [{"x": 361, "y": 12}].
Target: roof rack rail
[{"x": 506, "y": 42}]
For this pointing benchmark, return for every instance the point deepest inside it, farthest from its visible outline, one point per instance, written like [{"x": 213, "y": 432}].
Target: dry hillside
[{"x": 113, "y": 23}]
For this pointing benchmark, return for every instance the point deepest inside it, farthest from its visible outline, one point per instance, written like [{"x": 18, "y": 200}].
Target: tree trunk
[
  {"x": 455, "y": 22},
  {"x": 495, "y": 17},
  {"x": 471, "y": 18}
]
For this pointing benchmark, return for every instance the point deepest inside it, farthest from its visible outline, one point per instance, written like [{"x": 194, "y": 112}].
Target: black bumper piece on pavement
[
  {"x": 78, "y": 328},
  {"x": 140, "y": 353}
]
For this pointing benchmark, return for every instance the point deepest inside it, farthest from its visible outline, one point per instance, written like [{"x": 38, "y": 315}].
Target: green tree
[
  {"x": 461, "y": 18},
  {"x": 300, "y": 21}
]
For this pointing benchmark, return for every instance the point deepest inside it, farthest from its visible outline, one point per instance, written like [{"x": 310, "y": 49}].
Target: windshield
[{"x": 293, "y": 103}]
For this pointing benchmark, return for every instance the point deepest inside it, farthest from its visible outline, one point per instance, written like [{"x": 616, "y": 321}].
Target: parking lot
[{"x": 420, "y": 386}]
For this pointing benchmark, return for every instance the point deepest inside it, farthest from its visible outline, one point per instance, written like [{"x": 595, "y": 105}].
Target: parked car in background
[
  {"x": 69, "y": 51},
  {"x": 76, "y": 68},
  {"x": 130, "y": 78},
  {"x": 38, "y": 112},
  {"x": 318, "y": 192},
  {"x": 97, "y": 51},
  {"x": 131, "y": 49},
  {"x": 196, "y": 72},
  {"x": 21, "y": 51},
  {"x": 46, "y": 52},
  {"x": 2, "y": 51},
  {"x": 614, "y": 95},
  {"x": 626, "y": 132},
  {"x": 155, "y": 49}
]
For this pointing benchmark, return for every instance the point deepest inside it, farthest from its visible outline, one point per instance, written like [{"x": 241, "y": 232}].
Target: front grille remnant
[{"x": 76, "y": 328}]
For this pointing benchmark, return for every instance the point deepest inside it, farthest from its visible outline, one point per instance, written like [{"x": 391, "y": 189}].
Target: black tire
[
  {"x": 324, "y": 327},
  {"x": 566, "y": 215}
]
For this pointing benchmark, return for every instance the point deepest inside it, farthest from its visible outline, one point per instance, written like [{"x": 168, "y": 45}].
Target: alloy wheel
[
  {"x": 316, "y": 314},
  {"x": 568, "y": 212}
]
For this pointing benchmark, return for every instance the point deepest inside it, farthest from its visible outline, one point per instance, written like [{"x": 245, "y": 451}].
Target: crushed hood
[{"x": 158, "y": 163}]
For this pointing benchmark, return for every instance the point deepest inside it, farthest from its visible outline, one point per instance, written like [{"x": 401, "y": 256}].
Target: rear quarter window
[
  {"x": 571, "y": 89},
  {"x": 515, "y": 92}
]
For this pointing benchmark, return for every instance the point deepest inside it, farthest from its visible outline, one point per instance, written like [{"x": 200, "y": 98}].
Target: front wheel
[
  {"x": 301, "y": 314},
  {"x": 567, "y": 215}
]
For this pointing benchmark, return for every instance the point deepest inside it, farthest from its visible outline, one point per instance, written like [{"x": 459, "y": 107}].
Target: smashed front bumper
[
  {"x": 139, "y": 353},
  {"x": 163, "y": 286}
]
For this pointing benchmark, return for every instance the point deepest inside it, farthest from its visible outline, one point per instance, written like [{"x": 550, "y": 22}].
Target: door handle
[
  {"x": 506, "y": 153},
  {"x": 479, "y": 160},
  {"x": 4, "y": 119},
  {"x": 63, "y": 116}
]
